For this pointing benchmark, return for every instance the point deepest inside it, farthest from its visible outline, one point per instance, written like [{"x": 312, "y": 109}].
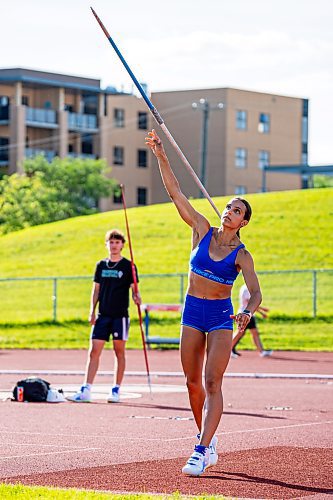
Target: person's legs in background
[{"x": 119, "y": 347}]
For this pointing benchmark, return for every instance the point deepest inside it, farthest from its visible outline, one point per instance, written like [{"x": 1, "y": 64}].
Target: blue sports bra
[{"x": 222, "y": 271}]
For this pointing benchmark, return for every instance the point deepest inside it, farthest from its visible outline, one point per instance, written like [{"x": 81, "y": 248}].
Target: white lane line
[
  {"x": 42, "y": 445},
  {"x": 171, "y": 374},
  {"x": 159, "y": 438},
  {"x": 49, "y": 453}
]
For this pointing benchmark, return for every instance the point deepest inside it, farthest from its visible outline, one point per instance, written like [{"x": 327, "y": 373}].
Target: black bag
[{"x": 34, "y": 389}]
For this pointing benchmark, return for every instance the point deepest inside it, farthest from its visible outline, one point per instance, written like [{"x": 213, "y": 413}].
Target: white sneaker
[
  {"x": 82, "y": 396},
  {"x": 265, "y": 354},
  {"x": 113, "y": 397},
  {"x": 196, "y": 464},
  {"x": 213, "y": 456}
]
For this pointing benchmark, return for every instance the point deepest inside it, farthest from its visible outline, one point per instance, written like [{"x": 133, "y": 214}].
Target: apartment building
[
  {"x": 228, "y": 135},
  {"x": 63, "y": 115}
]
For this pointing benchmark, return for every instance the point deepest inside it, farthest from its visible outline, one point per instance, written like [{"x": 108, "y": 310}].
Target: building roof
[{"x": 44, "y": 78}]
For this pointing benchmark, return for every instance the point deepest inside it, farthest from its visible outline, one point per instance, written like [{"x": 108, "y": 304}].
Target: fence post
[
  {"x": 54, "y": 299},
  {"x": 314, "y": 293}
]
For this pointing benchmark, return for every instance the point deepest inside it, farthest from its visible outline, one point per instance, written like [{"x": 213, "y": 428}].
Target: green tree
[
  {"x": 47, "y": 192},
  {"x": 322, "y": 181}
]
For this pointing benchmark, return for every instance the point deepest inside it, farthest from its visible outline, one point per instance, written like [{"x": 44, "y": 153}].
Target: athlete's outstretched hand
[{"x": 155, "y": 143}]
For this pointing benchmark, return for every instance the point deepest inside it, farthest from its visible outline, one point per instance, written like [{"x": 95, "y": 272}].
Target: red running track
[{"x": 274, "y": 439}]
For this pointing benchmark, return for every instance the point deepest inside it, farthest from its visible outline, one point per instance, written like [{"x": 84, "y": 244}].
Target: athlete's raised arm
[{"x": 193, "y": 218}]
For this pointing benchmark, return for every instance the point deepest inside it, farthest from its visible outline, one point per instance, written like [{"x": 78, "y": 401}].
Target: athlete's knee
[
  {"x": 120, "y": 356},
  {"x": 213, "y": 385},
  {"x": 119, "y": 350},
  {"x": 194, "y": 386},
  {"x": 94, "y": 353}
]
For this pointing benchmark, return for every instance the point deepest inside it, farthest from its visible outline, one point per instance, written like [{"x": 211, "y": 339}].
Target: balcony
[
  {"x": 32, "y": 152},
  {"x": 84, "y": 156},
  {"x": 45, "y": 118},
  {"x": 82, "y": 122}
]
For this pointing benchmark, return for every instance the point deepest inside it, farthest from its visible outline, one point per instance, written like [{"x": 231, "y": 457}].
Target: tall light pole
[{"x": 206, "y": 107}]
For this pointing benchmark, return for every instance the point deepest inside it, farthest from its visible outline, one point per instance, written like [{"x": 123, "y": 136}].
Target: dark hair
[
  {"x": 248, "y": 210},
  {"x": 115, "y": 234}
]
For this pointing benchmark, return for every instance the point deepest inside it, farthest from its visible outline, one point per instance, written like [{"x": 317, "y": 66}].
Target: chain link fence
[{"x": 61, "y": 298}]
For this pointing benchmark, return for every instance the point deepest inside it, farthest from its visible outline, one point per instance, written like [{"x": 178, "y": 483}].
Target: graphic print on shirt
[{"x": 111, "y": 273}]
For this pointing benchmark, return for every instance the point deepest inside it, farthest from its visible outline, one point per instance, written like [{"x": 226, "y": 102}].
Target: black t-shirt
[{"x": 115, "y": 279}]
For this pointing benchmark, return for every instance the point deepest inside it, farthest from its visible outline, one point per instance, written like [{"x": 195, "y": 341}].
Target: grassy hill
[{"x": 288, "y": 231}]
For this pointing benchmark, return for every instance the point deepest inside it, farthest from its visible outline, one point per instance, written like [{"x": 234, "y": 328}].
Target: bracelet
[{"x": 247, "y": 312}]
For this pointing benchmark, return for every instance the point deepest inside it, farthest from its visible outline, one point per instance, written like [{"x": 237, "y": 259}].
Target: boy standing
[{"x": 112, "y": 281}]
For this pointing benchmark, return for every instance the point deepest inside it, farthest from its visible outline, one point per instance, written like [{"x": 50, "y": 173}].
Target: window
[
  {"x": 305, "y": 108},
  {"x": 69, "y": 107},
  {"x": 241, "y": 158},
  {"x": 304, "y": 158},
  {"x": 263, "y": 159},
  {"x": 87, "y": 147},
  {"x": 240, "y": 190},
  {"x": 264, "y": 124},
  {"x": 142, "y": 158},
  {"x": 25, "y": 100},
  {"x": 118, "y": 155},
  {"x": 304, "y": 129},
  {"x": 119, "y": 117},
  {"x": 4, "y": 107},
  {"x": 142, "y": 120},
  {"x": 117, "y": 195},
  {"x": 4, "y": 100},
  {"x": 141, "y": 196},
  {"x": 241, "y": 120},
  {"x": 4, "y": 152},
  {"x": 90, "y": 104},
  {"x": 305, "y": 132}
]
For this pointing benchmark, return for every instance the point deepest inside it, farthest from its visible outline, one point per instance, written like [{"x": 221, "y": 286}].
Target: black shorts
[
  {"x": 106, "y": 326},
  {"x": 251, "y": 324}
]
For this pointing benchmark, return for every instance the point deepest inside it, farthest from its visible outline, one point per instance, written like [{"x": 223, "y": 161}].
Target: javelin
[
  {"x": 135, "y": 286},
  {"x": 158, "y": 117}
]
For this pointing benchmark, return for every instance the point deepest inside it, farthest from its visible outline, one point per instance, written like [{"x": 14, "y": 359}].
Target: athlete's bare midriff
[{"x": 204, "y": 288}]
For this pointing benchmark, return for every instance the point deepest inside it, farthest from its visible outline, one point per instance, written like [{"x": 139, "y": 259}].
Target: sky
[{"x": 276, "y": 46}]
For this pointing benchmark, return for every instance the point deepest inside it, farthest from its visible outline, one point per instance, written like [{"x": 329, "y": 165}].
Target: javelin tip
[{"x": 106, "y": 33}]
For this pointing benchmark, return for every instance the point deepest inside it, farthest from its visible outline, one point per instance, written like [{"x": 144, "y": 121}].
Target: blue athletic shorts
[
  {"x": 207, "y": 315},
  {"x": 106, "y": 326}
]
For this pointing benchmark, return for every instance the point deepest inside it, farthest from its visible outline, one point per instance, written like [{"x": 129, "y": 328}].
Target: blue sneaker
[
  {"x": 113, "y": 397},
  {"x": 82, "y": 396},
  {"x": 213, "y": 456},
  {"x": 197, "y": 463}
]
